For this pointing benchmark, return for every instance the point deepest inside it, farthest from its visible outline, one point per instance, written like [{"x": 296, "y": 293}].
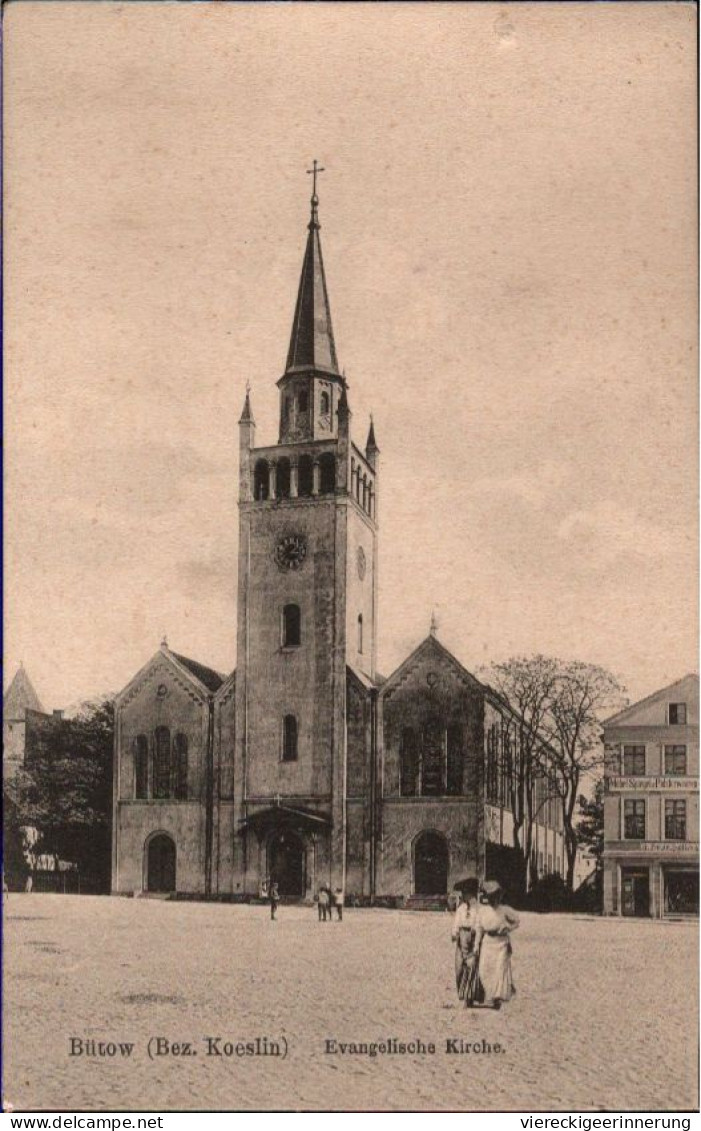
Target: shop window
[
  {"x": 291, "y": 626},
  {"x": 634, "y": 761},
  {"x": 681, "y": 892},
  {"x": 634, "y": 819},
  {"x": 675, "y": 761},
  {"x": 677, "y": 714},
  {"x": 289, "y": 739},
  {"x": 675, "y": 820}
]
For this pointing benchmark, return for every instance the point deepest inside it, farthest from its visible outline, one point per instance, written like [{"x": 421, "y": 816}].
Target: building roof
[
  {"x": 20, "y": 697},
  {"x": 629, "y": 713},
  {"x": 312, "y": 344},
  {"x": 212, "y": 680}
]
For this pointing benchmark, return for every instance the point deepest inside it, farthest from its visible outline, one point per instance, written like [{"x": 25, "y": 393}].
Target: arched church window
[
  {"x": 455, "y": 759},
  {"x": 289, "y": 739},
  {"x": 283, "y": 479},
  {"x": 303, "y": 400},
  {"x": 291, "y": 626},
  {"x": 409, "y": 763},
  {"x": 306, "y": 475},
  {"x": 360, "y": 632},
  {"x": 260, "y": 480},
  {"x": 433, "y": 758},
  {"x": 141, "y": 767},
  {"x": 327, "y": 465},
  {"x": 161, "y": 763},
  {"x": 325, "y": 404},
  {"x": 179, "y": 768}
]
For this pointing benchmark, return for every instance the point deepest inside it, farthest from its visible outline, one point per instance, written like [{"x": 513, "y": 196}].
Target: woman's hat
[
  {"x": 491, "y": 887},
  {"x": 468, "y": 886}
]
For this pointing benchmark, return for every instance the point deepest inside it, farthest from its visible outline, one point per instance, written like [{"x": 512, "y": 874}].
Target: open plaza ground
[{"x": 605, "y": 1016}]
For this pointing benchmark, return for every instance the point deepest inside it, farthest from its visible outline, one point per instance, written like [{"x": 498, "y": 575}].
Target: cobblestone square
[{"x": 605, "y": 1016}]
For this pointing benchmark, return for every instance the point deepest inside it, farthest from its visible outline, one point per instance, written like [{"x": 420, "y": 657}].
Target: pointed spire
[
  {"x": 434, "y": 624},
  {"x": 371, "y": 445},
  {"x": 312, "y": 344},
  {"x": 247, "y": 414}
]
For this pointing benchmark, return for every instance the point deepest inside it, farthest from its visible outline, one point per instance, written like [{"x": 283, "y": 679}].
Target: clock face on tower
[{"x": 291, "y": 551}]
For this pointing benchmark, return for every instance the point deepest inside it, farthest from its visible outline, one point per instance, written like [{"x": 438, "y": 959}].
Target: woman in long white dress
[{"x": 494, "y": 923}]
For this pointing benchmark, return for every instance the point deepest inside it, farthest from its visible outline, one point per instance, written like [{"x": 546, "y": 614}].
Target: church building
[{"x": 306, "y": 766}]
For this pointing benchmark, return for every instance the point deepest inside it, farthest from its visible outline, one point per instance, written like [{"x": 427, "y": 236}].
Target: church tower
[{"x": 307, "y": 607}]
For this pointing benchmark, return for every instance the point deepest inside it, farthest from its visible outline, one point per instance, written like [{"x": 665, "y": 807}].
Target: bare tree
[
  {"x": 558, "y": 706},
  {"x": 528, "y": 685},
  {"x": 582, "y": 695}
]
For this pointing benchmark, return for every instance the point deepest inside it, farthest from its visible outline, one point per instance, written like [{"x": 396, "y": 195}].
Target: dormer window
[{"x": 677, "y": 714}]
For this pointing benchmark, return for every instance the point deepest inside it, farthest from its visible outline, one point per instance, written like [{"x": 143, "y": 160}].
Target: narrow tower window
[
  {"x": 260, "y": 480},
  {"x": 303, "y": 400},
  {"x": 327, "y": 463},
  {"x": 291, "y": 626},
  {"x": 325, "y": 404},
  {"x": 283, "y": 479},
  {"x": 306, "y": 475},
  {"x": 360, "y": 632},
  {"x": 289, "y": 739}
]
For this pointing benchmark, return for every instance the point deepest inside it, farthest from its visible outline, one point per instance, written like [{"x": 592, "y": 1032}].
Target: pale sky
[{"x": 509, "y": 230}]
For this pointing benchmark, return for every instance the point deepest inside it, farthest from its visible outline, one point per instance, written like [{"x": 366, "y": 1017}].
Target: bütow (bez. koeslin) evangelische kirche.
[{"x": 304, "y": 765}]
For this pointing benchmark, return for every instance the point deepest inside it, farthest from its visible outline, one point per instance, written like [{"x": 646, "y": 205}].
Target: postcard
[{"x": 351, "y": 557}]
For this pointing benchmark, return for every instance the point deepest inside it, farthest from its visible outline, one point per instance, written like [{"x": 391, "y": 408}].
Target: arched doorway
[
  {"x": 430, "y": 864},
  {"x": 287, "y": 864},
  {"x": 160, "y": 863}
]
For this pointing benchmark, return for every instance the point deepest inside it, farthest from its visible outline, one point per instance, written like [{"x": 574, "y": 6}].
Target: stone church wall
[{"x": 161, "y": 698}]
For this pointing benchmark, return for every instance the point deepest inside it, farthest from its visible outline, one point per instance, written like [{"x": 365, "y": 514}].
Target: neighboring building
[
  {"x": 651, "y": 808},
  {"x": 23, "y": 721},
  {"x": 305, "y": 764}
]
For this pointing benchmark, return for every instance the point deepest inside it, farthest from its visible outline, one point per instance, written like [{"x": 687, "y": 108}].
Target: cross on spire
[{"x": 316, "y": 168}]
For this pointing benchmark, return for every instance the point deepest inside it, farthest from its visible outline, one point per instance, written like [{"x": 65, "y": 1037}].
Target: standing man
[
  {"x": 274, "y": 899},
  {"x": 323, "y": 903},
  {"x": 338, "y": 897}
]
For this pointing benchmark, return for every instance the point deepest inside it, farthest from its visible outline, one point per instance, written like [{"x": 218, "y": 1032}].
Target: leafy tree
[
  {"x": 65, "y": 788},
  {"x": 14, "y": 861},
  {"x": 590, "y": 826}
]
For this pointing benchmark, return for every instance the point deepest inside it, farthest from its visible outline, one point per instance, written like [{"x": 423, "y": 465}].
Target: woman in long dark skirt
[{"x": 464, "y": 930}]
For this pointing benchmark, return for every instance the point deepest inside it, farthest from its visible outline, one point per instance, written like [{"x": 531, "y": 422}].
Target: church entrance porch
[
  {"x": 287, "y": 864},
  {"x": 431, "y": 861},
  {"x": 160, "y": 863}
]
